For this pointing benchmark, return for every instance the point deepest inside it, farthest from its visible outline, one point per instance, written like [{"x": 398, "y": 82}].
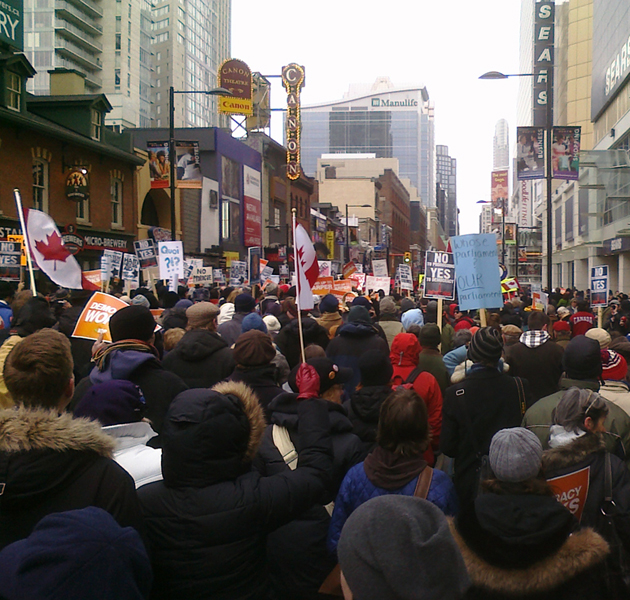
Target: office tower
[
  {"x": 446, "y": 176},
  {"x": 500, "y": 146},
  {"x": 191, "y": 40},
  {"x": 382, "y": 119}
]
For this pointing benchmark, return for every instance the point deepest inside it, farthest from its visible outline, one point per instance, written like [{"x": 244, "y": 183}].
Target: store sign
[
  {"x": 252, "y": 207},
  {"x": 615, "y": 245},
  {"x": 77, "y": 186},
  {"x": 293, "y": 82},
  {"x": 75, "y": 242},
  {"x": 544, "y": 27},
  {"x": 12, "y": 23},
  {"x": 236, "y": 76},
  {"x": 525, "y": 204}
]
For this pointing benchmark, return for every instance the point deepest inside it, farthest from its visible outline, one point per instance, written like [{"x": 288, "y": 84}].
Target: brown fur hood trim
[
  {"x": 572, "y": 453},
  {"x": 582, "y": 550},
  {"x": 23, "y": 429},
  {"x": 252, "y": 408}
]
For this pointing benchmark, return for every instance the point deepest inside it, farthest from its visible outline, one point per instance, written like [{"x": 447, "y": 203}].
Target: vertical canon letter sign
[{"x": 293, "y": 81}]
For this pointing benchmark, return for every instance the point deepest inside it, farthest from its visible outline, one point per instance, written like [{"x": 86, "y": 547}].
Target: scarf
[
  {"x": 99, "y": 359},
  {"x": 392, "y": 471},
  {"x": 559, "y": 436}
]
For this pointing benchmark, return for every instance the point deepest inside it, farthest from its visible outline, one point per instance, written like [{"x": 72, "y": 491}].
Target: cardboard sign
[
  {"x": 131, "y": 269},
  {"x": 94, "y": 319},
  {"x": 572, "y": 490},
  {"x": 405, "y": 278},
  {"x": 377, "y": 283},
  {"x": 202, "y": 276},
  {"x": 322, "y": 286},
  {"x": 379, "y": 267},
  {"x": 20, "y": 239},
  {"x": 439, "y": 270},
  {"x": 171, "y": 260},
  {"x": 145, "y": 251},
  {"x": 114, "y": 259}
]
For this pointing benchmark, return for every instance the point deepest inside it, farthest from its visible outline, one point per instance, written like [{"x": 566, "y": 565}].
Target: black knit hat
[
  {"x": 376, "y": 368},
  {"x": 486, "y": 346},
  {"x": 430, "y": 336},
  {"x": 132, "y": 323},
  {"x": 582, "y": 359}
]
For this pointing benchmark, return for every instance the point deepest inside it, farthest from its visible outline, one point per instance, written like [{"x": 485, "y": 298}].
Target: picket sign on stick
[{"x": 29, "y": 261}]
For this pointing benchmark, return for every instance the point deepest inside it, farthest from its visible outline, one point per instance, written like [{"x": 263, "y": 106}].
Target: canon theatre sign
[{"x": 293, "y": 82}]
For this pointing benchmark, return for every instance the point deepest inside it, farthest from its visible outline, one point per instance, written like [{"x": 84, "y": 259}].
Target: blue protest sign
[{"x": 477, "y": 271}]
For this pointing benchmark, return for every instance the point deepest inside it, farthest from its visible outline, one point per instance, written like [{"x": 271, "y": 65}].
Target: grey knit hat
[
  {"x": 486, "y": 346},
  {"x": 515, "y": 454},
  {"x": 387, "y": 306},
  {"x": 401, "y": 548}
]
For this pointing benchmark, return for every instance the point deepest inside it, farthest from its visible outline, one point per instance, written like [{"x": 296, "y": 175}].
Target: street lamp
[
  {"x": 549, "y": 136},
  {"x": 347, "y": 230},
  {"x": 171, "y": 143}
]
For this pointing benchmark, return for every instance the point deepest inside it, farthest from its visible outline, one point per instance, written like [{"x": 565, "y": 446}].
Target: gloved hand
[{"x": 307, "y": 381}]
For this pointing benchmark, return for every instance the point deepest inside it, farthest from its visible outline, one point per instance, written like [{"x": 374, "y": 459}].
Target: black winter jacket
[
  {"x": 363, "y": 410},
  {"x": 298, "y": 559},
  {"x": 288, "y": 339},
  {"x": 262, "y": 380},
  {"x": 201, "y": 359},
  {"x": 55, "y": 463},
  {"x": 209, "y": 518}
]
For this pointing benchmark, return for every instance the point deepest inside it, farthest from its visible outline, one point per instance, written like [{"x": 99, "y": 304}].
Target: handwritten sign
[
  {"x": 377, "y": 283},
  {"x": 379, "y": 267},
  {"x": 202, "y": 275},
  {"x": 477, "y": 271},
  {"x": 94, "y": 320},
  {"x": 171, "y": 260},
  {"x": 131, "y": 269}
]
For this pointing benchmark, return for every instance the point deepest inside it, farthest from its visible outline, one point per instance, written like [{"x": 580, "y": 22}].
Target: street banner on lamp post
[
  {"x": 530, "y": 153},
  {"x": 565, "y": 152}
]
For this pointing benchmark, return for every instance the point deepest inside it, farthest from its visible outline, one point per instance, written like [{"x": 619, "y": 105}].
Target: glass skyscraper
[{"x": 381, "y": 119}]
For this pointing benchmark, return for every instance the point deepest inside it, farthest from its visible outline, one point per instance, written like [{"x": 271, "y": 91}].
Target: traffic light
[{"x": 407, "y": 257}]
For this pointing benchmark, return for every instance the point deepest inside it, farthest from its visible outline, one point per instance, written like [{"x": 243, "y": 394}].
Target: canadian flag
[
  {"x": 307, "y": 267},
  {"x": 50, "y": 255}
]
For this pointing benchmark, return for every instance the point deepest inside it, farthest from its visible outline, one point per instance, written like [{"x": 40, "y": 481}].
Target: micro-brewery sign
[
  {"x": 385, "y": 102},
  {"x": 12, "y": 23},
  {"x": 236, "y": 76},
  {"x": 293, "y": 81},
  {"x": 77, "y": 187},
  {"x": 76, "y": 242}
]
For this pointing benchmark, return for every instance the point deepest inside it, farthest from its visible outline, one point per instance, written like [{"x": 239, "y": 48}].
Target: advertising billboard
[
  {"x": 252, "y": 207},
  {"x": 188, "y": 167},
  {"x": 565, "y": 152},
  {"x": 236, "y": 76},
  {"x": 499, "y": 191},
  {"x": 530, "y": 153}
]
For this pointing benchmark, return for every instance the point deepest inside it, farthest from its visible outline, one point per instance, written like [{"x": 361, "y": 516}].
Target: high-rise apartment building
[
  {"x": 388, "y": 121},
  {"x": 501, "y": 146},
  {"x": 446, "y": 177},
  {"x": 190, "y": 41}
]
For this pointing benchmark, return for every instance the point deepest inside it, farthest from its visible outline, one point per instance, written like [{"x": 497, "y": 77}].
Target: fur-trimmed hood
[
  {"x": 581, "y": 551},
  {"x": 211, "y": 435},
  {"x": 573, "y": 453}
]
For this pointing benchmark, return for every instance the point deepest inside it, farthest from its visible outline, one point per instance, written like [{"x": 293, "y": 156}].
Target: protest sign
[
  {"x": 348, "y": 269},
  {"x": 202, "y": 275},
  {"x": 379, "y": 267},
  {"x": 114, "y": 259},
  {"x": 322, "y": 286},
  {"x": 145, "y": 251},
  {"x": 93, "y": 277},
  {"x": 94, "y": 320},
  {"x": 477, "y": 271},
  {"x": 10, "y": 253},
  {"x": 439, "y": 280},
  {"x": 217, "y": 275},
  {"x": 342, "y": 287},
  {"x": 20, "y": 239},
  {"x": 325, "y": 268},
  {"x": 599, "y": 286},
  {"x": 539, "y": 300},
  {"x": 284, "y": 270},
  {"x": 359, "y": 280},
  {"x": 572, "y": 490},
  {"x": 171, "y": 262},
  {"x": 253, "y": 268},
  {"x": 238, "y": 272},
  {"x": 131, "y": 269},
  {"x": 377, "y": 283},
  {"x": 405, "y": 278}
]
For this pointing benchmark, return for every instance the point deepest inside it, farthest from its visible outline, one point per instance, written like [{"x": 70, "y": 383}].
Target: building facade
[
  {"x": 446, "y": 177},
  {"x": 501, "y": 145}
]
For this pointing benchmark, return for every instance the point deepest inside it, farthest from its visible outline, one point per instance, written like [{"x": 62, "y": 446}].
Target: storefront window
[
  {"x": 117, "y": 196},
  {"x": 40, "y": 185}
]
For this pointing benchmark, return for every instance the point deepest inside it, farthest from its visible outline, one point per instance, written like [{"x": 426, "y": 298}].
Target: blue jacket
[{"x": 356, "y": 489}]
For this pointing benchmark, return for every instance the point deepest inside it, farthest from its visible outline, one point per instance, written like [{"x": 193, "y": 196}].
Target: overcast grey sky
[{"x": 442, "y": 44}]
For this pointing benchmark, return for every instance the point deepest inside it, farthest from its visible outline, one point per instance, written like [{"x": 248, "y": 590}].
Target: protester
[
  {"x": 458, "y": 354},
  {"x": 448, "y": 332},
  {"x": 561, "y": 333},
  {"x": 288, "y": 339},
  {"x": 430, "y": 359},
  {"x": 462, "y": 319},
  {"x": 388, "y": 320},
  {"x": 511, "y": 335},
  {"x": 243, "y": 305},
  {"x": 53, "y": 462},
  {"x": 396, "y": 547},
  {"x": 536, "y": 357},
  {"x": 330, "y": 318},
  {"x": 582, "y": 320},
  {"x": 517, "y": 540},
  {"x": 475, "y": 409},
  {"x": 172, "y": 337},
  {"x": 413, "y": 316}
]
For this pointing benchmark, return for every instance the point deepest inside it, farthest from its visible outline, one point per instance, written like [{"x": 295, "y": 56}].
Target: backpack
[{"x": 408, "y": 383}]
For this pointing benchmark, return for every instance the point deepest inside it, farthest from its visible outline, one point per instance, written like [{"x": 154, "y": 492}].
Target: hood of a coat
[
  {"x": 366, "y": 402},
  {"x": 199, "y": 344},
  {"x": 357, "y": 329},
  {"x": 256, "y": 376},
  {"x": 572, "y": 453},
  {"x": 211, "y": 435},
  {"x": 283, "y": 411},
  {"x": 45, "y": 451},
  {"x": 120, "y": 364},
  {"x": 405, "y": 350}
]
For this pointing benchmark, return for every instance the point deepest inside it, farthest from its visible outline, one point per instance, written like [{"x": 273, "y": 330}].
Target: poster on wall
[
  {"x": 159, "y": 165},
  {"x": 188, "y": 165},
  {"x": 230, "y": 200},
  {"x": 252, "y": 207},
  {"x": 530, "y": 153},
  {"x": 565, "y": 152},
  {"x": 499, "y": 189}
]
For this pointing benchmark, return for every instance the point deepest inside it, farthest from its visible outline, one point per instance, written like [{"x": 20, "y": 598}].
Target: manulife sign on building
[{"x": 12, "y": 24}]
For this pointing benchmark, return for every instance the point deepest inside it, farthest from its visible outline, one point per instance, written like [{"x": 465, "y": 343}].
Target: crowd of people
[{"x": 237, "y": 448}]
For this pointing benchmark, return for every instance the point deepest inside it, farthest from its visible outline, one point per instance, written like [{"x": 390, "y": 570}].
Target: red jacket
[
  {"x": 463, "y": 323},
  {"x": 581, "y": 322},
  {"x": 404, "y": 356}
]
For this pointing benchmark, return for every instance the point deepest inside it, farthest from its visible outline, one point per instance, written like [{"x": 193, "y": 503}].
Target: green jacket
[{"x": 538, "y": 418}]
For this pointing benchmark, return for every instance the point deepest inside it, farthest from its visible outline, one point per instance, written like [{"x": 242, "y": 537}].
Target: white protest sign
[
  {"x": 377, "y": 283},
  {"x": 380, "y": 268},
  {"x": 145, "y": 251},
  {"x": 131, "y": 269},
  {"x": 201, "y": 275},
  {"x": 171, "y": 260},
  {"x": 238, "y": 272},
  {"x": 405, "y": 277},
  {"x": 115, "y": 262},
  {"x": 217, "y": 275}
]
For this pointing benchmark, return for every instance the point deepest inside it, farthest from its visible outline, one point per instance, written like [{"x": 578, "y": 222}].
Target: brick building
[{"x": 394, "y": 210}]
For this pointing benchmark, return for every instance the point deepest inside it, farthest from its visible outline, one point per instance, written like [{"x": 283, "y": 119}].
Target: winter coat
[
  {"x": 56, "y": 463},
  {"x": 528, "y": 547},
  {"x": 260, "y": 379},
  {"x": 330, "y": 320},
  {"x": 357, "y": 489},
  {"x": 541, "y": 366},
  {"x": 352, "y": 341},
  {"x": 462, "y": 370},
  {"x": 618, "y": 392},
  {"x": 447, "y": 338},
  {"x": 81, "y": 349},
  {"x": 298, "y": 560},
  {"x": 201, "y": 359},
  {"x": 209, "y": 518},
  {"x": 158, "y": 385},
  {"x": 454, "y": 358},
  {"x": 288, "y": 340},
  {"x": 463, "y": 323},
  {"x": 142, "y": 462},
  {"x": 363, "y": 410},
  {"x": 617, "y": 423},
  {"x": 391, "y": 326},
  {"x": 232, "y": 329},
  {"x": 473, "y": 411},
  {"x": 431, "y": 361}
]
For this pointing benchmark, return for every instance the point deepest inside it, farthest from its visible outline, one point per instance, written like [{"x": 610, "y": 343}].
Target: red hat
[
  {"x": 561, "y": 326},
  {"x": 452, "y": 308},
  {"x": 614, "y": 366},
  {"x": 284, "y": 287}
]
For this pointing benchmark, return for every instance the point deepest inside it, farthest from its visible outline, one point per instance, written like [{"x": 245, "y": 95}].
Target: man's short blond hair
[{"x": 37, "y": 371}]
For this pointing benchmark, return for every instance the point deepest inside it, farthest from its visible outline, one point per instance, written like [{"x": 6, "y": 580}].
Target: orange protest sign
[
  {"x": 156, "y": 312},
  {"x": 342, "y": 289},
  {"x": 94, "y": 319},
  {"x": 93, "y": 277},
  {"x": 571, "y": 490},
  {"x": 323, "y": 285},
  {"x": 349, "y": 269}
]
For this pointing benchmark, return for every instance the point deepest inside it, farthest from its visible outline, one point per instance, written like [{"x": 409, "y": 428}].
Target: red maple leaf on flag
[{"x": 53, "y": 249}]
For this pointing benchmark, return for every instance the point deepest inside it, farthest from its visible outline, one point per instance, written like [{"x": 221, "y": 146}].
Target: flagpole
[
  {"x": 29, "y": 262},
  {"x": 296, "y": 260}
]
